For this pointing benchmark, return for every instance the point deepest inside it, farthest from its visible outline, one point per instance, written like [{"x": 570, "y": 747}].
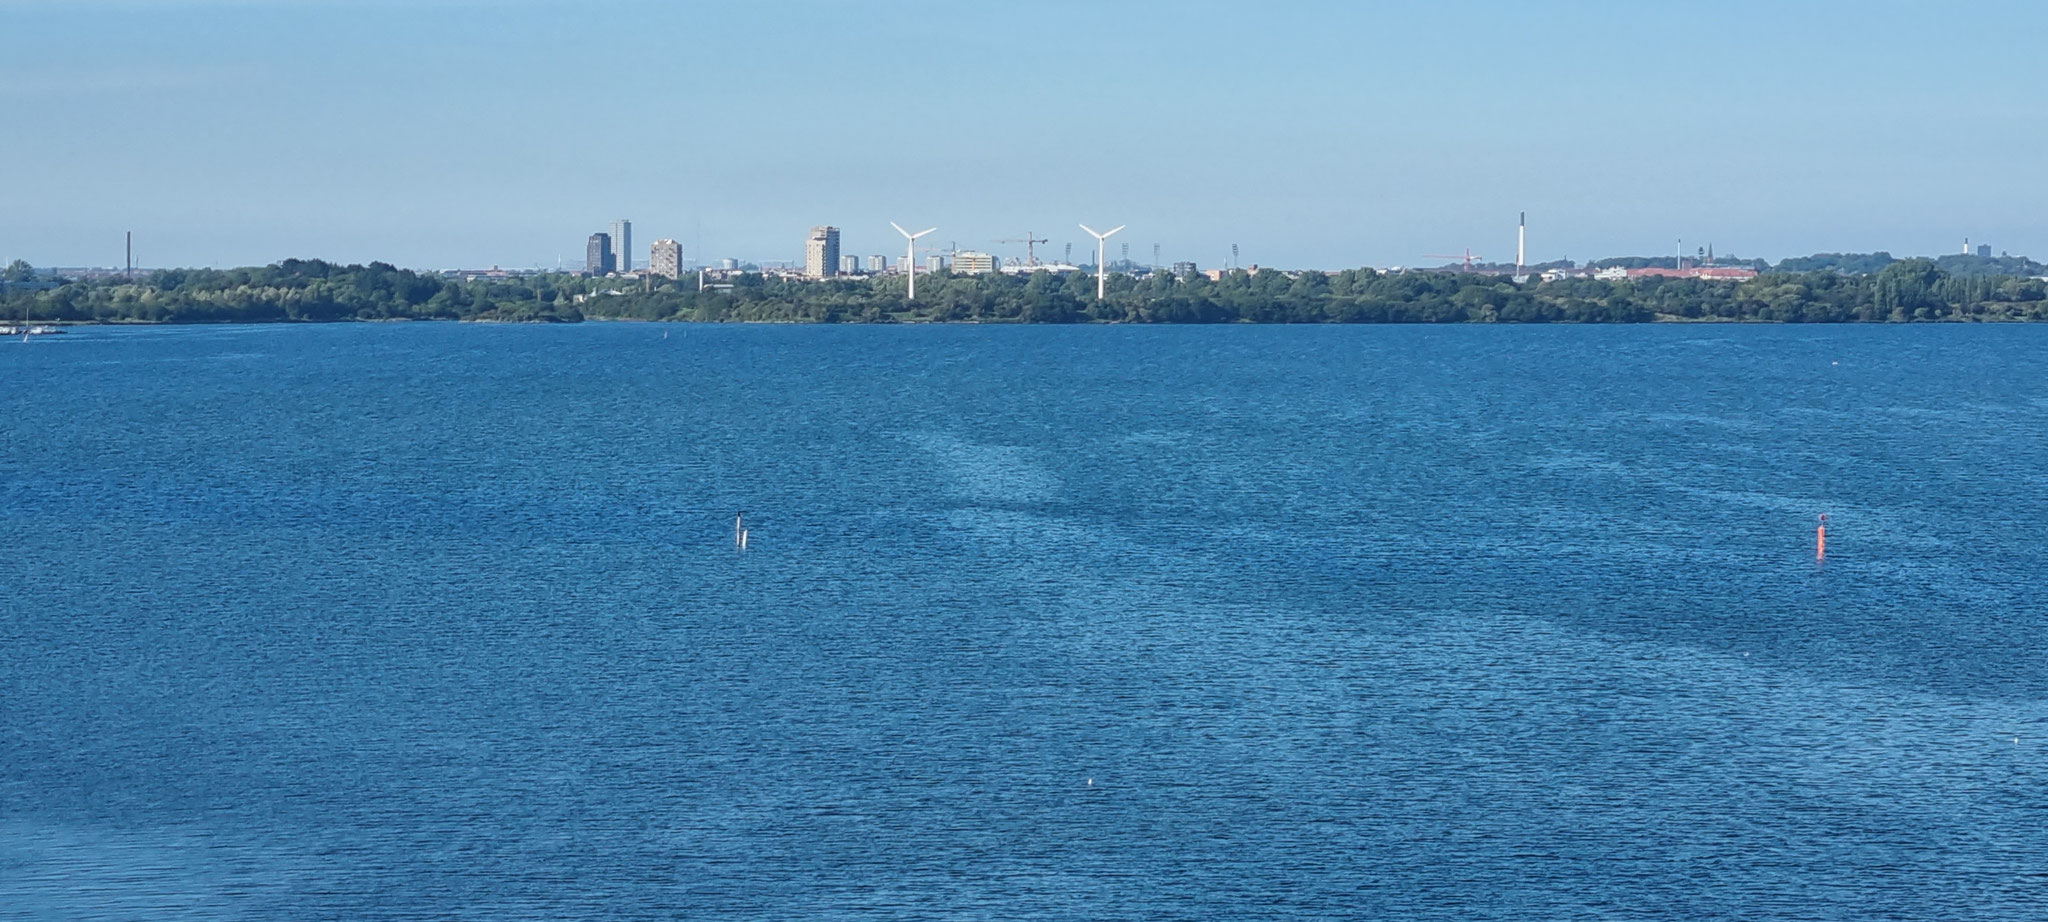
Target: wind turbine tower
[
  {"x": 1101, "y": 257},
  {"x": 910, "y": 255}
]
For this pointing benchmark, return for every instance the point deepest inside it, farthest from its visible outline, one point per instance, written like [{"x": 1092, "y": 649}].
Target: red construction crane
[{"x": 1468, "y": 257}]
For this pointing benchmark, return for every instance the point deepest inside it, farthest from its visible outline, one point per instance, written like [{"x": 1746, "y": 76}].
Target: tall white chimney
[{"x": 1521, "y": 244}]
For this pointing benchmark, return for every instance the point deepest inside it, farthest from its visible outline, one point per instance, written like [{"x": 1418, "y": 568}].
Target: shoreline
[{"x": 1658, "y": 321}]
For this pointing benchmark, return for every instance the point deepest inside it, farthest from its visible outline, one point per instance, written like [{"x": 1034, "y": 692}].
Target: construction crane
[
  {"x": 1468, "y": 257},
  {"x": 1030, "y": 242}
]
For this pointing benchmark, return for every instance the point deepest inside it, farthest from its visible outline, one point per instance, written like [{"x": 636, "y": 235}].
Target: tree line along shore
[{"x": 1902, "y": 291}]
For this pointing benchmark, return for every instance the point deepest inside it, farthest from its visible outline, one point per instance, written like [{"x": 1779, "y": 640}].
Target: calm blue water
[{"x": 445, "y": 622}]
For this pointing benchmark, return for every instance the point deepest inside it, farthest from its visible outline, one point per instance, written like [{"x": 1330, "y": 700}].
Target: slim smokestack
[
  {"x": 130, "y": 271},
  {"x": 1521, "y": 244}
]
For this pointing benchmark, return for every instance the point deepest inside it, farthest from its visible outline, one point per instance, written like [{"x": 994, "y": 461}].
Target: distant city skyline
[
  {"x": 1310, "y": 135},
  {"x": 668, "y": 257}
]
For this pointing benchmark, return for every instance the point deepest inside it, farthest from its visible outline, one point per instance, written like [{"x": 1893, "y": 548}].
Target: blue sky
[{"x": 442, "y": 133}]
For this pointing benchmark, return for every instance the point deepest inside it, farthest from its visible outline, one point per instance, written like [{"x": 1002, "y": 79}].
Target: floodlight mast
[
  {"x": 910, "y": 256},
  {"x": 1102, "y": 256}
]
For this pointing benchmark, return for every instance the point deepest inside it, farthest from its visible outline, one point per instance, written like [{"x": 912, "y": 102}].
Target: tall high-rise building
[
  {"x": 598, "y": 257},
  {"x": 622, "y": 243},
  {"x": 878, "y": 264},
  {"x": 665, "y": 258},
  {"x": 935, "y": 263},
  {"x": 1984, "y": 250},
  {"x": 849, "y": 265},
  {"x": 821, "y": 252}
]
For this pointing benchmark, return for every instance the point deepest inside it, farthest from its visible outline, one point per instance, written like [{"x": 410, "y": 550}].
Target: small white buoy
[{"x": 1091, "y": 781}]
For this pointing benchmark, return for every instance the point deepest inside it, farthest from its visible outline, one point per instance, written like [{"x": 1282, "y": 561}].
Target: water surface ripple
[{"x": 379, "y": 622}]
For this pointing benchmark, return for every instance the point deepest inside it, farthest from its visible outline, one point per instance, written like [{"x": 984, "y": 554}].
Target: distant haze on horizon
[{"x": 449, "y": 133}]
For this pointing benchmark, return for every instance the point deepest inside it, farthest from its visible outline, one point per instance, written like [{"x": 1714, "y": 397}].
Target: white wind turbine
[
  {"x": 1101, "y": 256},
  {"x": 910, "y": 254}
]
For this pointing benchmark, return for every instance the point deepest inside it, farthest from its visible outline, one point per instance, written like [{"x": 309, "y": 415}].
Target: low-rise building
[
  {"x": 1709, "y": 273},
  {"x": 970, "y": 262},
  {"x": 493, "y": 274},
  {"x": 1055, "y": 268},
  {"x": 1217, "y": 275},
  {"x": 1723, "y": 273}
]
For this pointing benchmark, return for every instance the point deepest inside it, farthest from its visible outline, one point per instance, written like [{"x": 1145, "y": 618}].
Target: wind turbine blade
[
  {"x": 922, "y": 232},
  {"x": 1091, "y": 232},
  {"x": 899, "y": 228},
  {"x": 1118, "y": 228}
]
